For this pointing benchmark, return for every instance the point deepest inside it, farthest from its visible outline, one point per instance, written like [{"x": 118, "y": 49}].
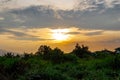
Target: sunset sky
[{"x": 27, "y": 24}]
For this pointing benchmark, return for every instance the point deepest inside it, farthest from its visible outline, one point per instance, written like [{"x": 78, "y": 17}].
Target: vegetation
[{"x": 54, "y": 64}]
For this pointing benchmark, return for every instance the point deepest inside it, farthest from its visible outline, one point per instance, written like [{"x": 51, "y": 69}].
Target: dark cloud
[
  {"x": 15, "y": 33},
  {"x": 94, "y": 33},
  {"x": 21, "y": 35},
  {"x": 29, "y": 38},
  {"x": 87, "y": 33},
  {"x": 41, "y": 16},
  {"x": 37, "y": 16},
  {"x": 73, "y": 33}
]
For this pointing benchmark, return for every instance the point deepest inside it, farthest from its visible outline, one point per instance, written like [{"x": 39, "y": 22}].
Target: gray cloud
[
  {"x": 73, "y": 33},
  {"x": 87, "y": 19},
  {"x": 97, "y": 16},
  {"x": 21, "y": 35},
  {"x": 57, "y": 5},
  {"x": 15, "y": 33},
  {"x": 94, "y": 33},
  {"x": 29, "y": 38}
]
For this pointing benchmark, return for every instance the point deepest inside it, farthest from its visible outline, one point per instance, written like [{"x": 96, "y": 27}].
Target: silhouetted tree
[
  {"x": 117, "y": 50},
  {"x": 17, "y": 56},
  {"x": 45, "y": 51},
  {"x": 27, "y": 55},
  {"x": 102, "y": 54},
  {"x": 58, "y": 51},
  {"x": 81, "y": 51},
  {"x": 9, "y": 55},
  {"x": 56, "y": 55}
]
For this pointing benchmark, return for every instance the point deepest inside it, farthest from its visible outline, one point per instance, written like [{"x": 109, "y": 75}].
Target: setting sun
[{"x": 60, "y": 34}]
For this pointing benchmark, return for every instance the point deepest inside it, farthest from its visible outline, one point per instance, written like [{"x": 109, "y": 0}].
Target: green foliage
[
  {"x": 53, "y": 64},
  {"x": 70, "y": 58},
  {"x": 56, "y": 55},
  {"x": 11, "y": 68},
  {"x": 81, "y": 51},
  {"x": 44, "y": 51}
]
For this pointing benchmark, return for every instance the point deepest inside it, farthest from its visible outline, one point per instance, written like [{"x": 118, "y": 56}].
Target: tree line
[{"x": 53, "y": 64}]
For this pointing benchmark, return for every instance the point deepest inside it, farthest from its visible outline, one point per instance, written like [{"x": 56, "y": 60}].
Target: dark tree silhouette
[
  {"x": 27, "y": 55},
  {"x": 81, "y": 51},
  {"x": 45, "y": 51},
  {"x": 9, "y": 55},
  {"x": 56, "y": 55},
  {"x": 58, "y": 51},
  {"x": 117, "y": 50}
]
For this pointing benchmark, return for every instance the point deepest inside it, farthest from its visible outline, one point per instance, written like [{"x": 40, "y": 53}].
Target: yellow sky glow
[
  {"x": 64, "y": 38},
  {"x": 60, "y": 34}
]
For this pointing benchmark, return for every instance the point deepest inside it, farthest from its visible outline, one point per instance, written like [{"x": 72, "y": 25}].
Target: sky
[{"x": 27, "y": 24}]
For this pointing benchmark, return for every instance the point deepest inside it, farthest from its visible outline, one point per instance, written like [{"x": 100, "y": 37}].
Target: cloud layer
[
  {"x": 41, "y": 16},
  {"x": 25, "y": 22},
  {"x": 58, "y": 5}
]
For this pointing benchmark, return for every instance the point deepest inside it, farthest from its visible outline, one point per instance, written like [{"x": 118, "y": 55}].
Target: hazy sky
[{"x": 27, "y": 24}]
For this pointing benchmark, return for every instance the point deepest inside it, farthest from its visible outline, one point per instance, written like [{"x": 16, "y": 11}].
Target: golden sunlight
[{"x": 60, "y": 34}]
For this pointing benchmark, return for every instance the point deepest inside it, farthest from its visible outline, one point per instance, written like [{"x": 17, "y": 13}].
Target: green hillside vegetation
[{"x": 54, "y": 64}]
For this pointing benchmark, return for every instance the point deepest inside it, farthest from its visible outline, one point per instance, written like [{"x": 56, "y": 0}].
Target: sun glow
[{"x": 60, "y": 34}]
